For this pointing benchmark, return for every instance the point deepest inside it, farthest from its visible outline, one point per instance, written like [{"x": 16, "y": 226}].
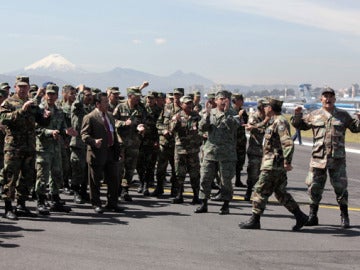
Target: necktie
[{"x": 107, "y": 127}]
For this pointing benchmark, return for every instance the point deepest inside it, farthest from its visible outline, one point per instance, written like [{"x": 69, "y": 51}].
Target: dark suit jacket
[{"x": 93, "y": 127}]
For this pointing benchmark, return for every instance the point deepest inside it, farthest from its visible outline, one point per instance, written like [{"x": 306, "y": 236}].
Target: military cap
[
  {"x": 237, "y": 96},
  {"x": 169, "y": 95},
  {"x": 33, "y": 88},
  {"x": 46, "y": 84},
  {"x": 260, "y": 102},
  {"x": 210, "y": 95},
  {"x": 95, "y": 90},
  {"x": 197, "y": 94},
  {"x": 327, "y": 90},
  {"x": 179, "y": 91},
  {"x": 22, "y": 80},
  {"x": 68, "y": 87},
  {"x": 274, "y": 103},
  {"x": 186, "y": 99},
  {"x": 52, "y": 88},
  {"x": 223, "y": 94},
  {"x": 4, "y": 86},
  {"x": 133, "y": 91},
  {"x": 154, "y": 93},
  {"x": 150, "y": 94},
  {"x": 4, "y": 93},
  {"x": 191, "y": 96},
  {"x": 113, "y": 90},
  {"x": 161, "y": 95}
]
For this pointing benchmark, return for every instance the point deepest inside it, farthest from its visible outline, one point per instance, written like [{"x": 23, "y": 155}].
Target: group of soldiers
[{"x": 45, "y": 142}]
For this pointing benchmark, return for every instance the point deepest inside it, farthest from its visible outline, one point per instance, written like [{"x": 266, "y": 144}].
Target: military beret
[
  {"x": 179, "y": 91},
  {"x": 52, "y": 88},
  {"x": 327, "y": 90},
  {"x": 161, "y": 95},
  {"x": 186, "y": 99},
  {"x": 22, "y": 80},
  {"x": 4, "y": 86}
]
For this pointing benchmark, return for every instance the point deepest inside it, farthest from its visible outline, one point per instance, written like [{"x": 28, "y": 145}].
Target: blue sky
[{"x": 228, "y": 41}]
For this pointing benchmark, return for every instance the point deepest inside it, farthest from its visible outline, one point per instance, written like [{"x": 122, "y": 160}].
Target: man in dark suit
[{"x": 103, "y": 152}]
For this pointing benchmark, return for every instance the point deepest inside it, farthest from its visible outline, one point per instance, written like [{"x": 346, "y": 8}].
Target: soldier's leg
[
  {"x": 241, "y": 156},
  {"x": 141, "y": 168},
  {"x": 78, "y": 173},
  {"x": 208, "y": 170},
  {"x": 193, "y": 168},
  {"x": 42, "y": 176},
  {"x": 66, "y": 168},
  {"x": 180, "y": 170},
  {"x": 161, "y": 167},
  {"x": 56, "y": 176},
  {"x": 227, "y": 171},
  {"x": 253, "y": 172}
]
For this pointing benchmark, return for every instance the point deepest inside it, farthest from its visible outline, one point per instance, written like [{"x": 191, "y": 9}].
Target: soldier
[
  {"x": 196, "y": 100},
  {"x": 278, "y": 152},
  {"x": 114, "y": 97},
  {"x": 221, "y": 126},
  {"x": 48, "y": 154},
  {"x": 20, "y": 114},
  {"x": 129, "y": 122},
  {"x": 3, "y": 95},
  {"x": 167, "y": 144},
  {"x": 149, "y": 146},
  {"x": 256, "y": 126},
  {"x": 238, "y": 102},
  {"x": 185, "y": 127},
  {"x": 328, "y": 155},
  {"x": 5, "y": 86},
  {"x": 82, "y": 105}
]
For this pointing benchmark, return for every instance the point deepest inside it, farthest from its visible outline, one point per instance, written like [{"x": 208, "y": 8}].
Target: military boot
[
  {"x": 22, "y": 210},
  {"x": 301, "y": 219},
  {"x": 345, "y": 221},
  {"x": 225, "y": 210},
  {"x": 159, "y": 189},
  {"x": 145, "y": 191},
  {"x": 140, "y": 188},
  {"x": 253, "y": 223},
  {"x": 179, "y": 196},
  {"x": 247, "y": 196},
  {"x": 238, "y": 182},
  {"x": 203, "y": 208},
  {"x": 56, "y": 205},
  {"x": 41, "y": 207},
  {"x": 9, "y": 212},
  {"x": 313, "y": 219},
  {"x": 196, "y": 199}
]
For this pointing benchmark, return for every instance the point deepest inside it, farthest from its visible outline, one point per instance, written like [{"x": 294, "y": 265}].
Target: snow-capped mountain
[{"x": 52, "y": 63}]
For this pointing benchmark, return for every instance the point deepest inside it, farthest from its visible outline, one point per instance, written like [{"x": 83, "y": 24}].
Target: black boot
[
  {"x": 145, "y": 191},
  {"x": 159, "y": 190},
  {"x": 179, "y": 197},
  {"x": 196, "y": 199},
  {"x": 313, "y": 219},
  {"x": 247, "y": 196},
  {"x": 345, "y": 221},
  {"x": 301, "y": 219},
  {"x": 217, "y": 197},
  {"x": 253, "y": 223},
  {"x": 203, "y": 208},
  {"x": 78, "y": 199},
  {"x": 41, "y": 207},
  {"x": 22, "y": 210},
  {"x": 141, "y": 187},
  {"x": 238, "y": 182},
  {"x": 9, "y": 212},
  {"x": 56, "y": 205},
  {"x": 224, "y": 210},
  {"x": 125, "y": 194}
]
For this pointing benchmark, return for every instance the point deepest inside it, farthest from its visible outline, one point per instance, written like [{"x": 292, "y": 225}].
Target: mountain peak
[{"x": 52, "y": 62}]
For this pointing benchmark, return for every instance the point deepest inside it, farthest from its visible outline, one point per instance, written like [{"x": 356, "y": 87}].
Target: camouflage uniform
[
  {"x": 278, "y": 148},
  {"x": 328, "y": 153},
  {"x": 130, "y": 137},
  {"x": 19, "y": 148},
  {"x": 254, "y": 151},
  {"x": 79, "y": 178},
  {"x": 187, "y": 148}
]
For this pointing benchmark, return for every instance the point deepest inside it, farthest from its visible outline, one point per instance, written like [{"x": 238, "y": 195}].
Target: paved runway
[{"x": 153, "y": 234}]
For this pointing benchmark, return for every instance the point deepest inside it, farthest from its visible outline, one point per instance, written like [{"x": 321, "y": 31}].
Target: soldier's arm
[
  {"x": 301, "y": 122},
  {"x": 353, "y": 124},
  {"x": 287, "y": 143}
]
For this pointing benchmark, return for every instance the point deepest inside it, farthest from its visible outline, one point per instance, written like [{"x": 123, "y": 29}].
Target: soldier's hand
[
  {"x": 208, "y": 107},
  {"x": 27, "y": 104},
  {"x": 98, "y": 143},
  {"x": 248, "y": 127},
  {"x": 287, "y": 167},
  {"x": 46, "y": 114},
  {"x": 71, "y": 132},
  {"x": 298, "y": 110},
  {"x": 241, "y": 113},
  {"x": 56, "y": 134},
  {"x": 144, "y": 84},
  {"x": 128, "y": 122},
  {"x": 80, "y": 87},
  {"x": 176, "y": 117}
]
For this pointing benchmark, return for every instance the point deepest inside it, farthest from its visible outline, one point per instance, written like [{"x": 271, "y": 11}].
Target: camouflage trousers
[
  {"x": 48, "y": 171},
  {"x": 130, "y": 155},
  {"x": 18, "y": 174},
  {"x": 316, "y": 180},
  {"x": 253, "y": 170},
  {"x": 274, "y": 181},
  {"x": 165, "y": 156},
  {"x": 65, "y": 160},
  {"x": 208, "y": 171},
  {"x": 78, "y": 166},
  {"x": 187, "y": 163},
  {"x": 146, "y": 163}
]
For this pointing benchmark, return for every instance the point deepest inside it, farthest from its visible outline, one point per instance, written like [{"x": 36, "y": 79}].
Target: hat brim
[{"x": 22, "y": 84}]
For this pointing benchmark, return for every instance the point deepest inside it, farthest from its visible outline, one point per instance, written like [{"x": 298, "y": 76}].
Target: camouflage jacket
[
  {"x": 129, "y": 135},
  {"x": 278, "y": 145},
  {"x": 328, "y": 133},
  {"x": 222, "y": 128},
  {"x": 163, "y": 123},
  {"x": 186, "y": 132},
  {"x": 256, "y": 138},
  {"x": 66, "y": 108},
  {"x": 241, "y": 137},
  {"x": 78, "y": 111},
  {"x": 20, "y": 125},
  {"x": 151, "y": 135},
  {"x": 44, "y": 139}
]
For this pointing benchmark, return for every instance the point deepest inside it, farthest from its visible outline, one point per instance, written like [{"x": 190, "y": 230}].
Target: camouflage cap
[
  {"x": 68, "y": 87},
  {"x": 33, "y": 87},
  {"x": 133, "y": 91},
  {"x": 223, "y": 94},
  {"x": 22, "y": 80},
  {"x": 161, "y": 95},
  {"x": 113, "y": 90},
  {"x": 197, "y": 94},
  {"x": 95, "y": 90},
  {"x": 274, "y": 103},
  {"x": 191, "y": 96},
  {"x": 327, "y": 90},
  {"x": 237, "y": 96},
  {"x": 186, "y": 99},
  {"x": 169, "y": 95},
  {"x": 260, "y": 102},
  {"x": 179, "y": 91},
  {"x": 150, "y": 94},
  {"x": 4, "y": 93},
  {"x": 52, "y": 88},
  {"x": 4, "y": 86},
  {"x": 154, "y": 93},
  {"x": 210, "y": 95}
]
